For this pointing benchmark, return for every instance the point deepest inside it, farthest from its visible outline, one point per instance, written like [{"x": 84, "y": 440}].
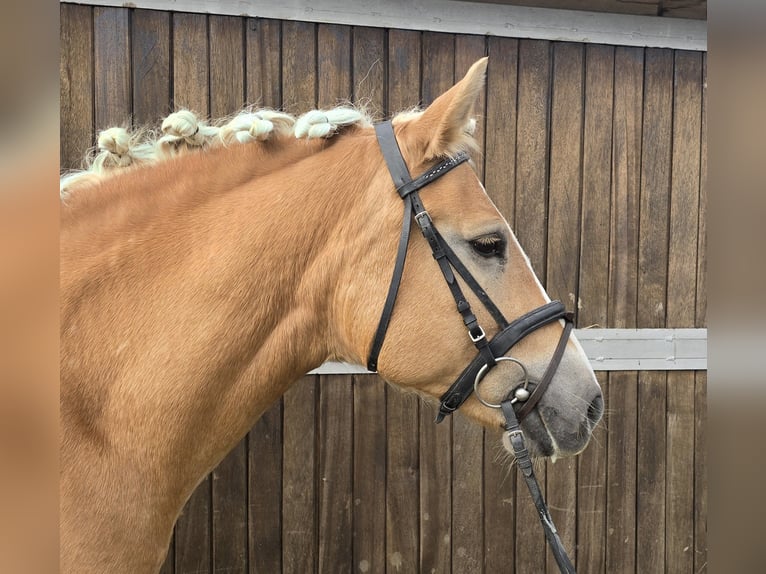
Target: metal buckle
[
  {"x": 479, "y": 337},
  {"x": 425, "y": 215}
]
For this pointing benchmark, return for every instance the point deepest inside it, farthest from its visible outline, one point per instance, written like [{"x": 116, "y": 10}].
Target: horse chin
[{"x": 539, "y": 441}]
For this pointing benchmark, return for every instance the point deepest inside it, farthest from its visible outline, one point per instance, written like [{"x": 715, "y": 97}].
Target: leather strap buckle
[{"x": 478, "y": 337}]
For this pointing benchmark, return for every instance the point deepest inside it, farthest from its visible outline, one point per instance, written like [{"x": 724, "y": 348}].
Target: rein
[{"x": 490, "y": 352}]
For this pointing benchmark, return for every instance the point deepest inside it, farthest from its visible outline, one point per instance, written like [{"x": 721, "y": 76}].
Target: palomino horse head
[{"x": 427, "y": 345}]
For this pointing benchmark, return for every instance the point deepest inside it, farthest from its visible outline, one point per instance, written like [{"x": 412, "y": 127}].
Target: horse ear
[{"x": 443, "y": 127}]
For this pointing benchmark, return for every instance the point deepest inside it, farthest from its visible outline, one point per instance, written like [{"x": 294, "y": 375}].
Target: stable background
[{"x": 595, "y": 153}]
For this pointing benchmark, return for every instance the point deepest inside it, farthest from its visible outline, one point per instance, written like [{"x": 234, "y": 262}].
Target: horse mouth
[{"x": 547, "y": 437}]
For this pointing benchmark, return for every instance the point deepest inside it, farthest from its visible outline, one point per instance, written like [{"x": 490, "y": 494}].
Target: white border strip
[
  {"x": 456, "y": 16},
  {"x": 615, "y": 350}
]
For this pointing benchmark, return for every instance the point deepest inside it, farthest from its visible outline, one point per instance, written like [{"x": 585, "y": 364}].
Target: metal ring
[{"x": 483, "y": 371}]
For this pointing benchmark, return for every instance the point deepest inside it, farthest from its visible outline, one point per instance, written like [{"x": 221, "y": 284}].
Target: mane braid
[{"x": 183, "y": 131}]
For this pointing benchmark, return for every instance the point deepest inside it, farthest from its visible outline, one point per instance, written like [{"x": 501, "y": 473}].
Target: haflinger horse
[{"x": 199, "y": 282}]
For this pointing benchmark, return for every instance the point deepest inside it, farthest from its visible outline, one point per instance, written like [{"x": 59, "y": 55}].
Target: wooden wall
[{"x": 597, "y": 156}]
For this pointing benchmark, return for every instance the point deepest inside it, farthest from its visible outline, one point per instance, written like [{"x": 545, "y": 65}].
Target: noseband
[{"x": 490, "y": 352}]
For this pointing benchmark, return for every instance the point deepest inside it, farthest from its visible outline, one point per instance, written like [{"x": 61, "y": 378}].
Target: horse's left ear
[{"x": 442, "y": 127}]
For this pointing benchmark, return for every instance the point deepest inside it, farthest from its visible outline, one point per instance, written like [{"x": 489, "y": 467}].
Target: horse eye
[{"x": 489, "y": 246}]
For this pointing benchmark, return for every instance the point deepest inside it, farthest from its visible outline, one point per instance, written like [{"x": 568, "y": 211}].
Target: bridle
[{"x": 490, "y": 351}]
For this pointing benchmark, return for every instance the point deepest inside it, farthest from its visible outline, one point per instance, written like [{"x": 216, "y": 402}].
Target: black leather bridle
[{"x": 489, "y": 351}]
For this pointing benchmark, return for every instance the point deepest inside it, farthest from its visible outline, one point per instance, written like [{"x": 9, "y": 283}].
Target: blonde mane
[{"x": 184, "y": 131}]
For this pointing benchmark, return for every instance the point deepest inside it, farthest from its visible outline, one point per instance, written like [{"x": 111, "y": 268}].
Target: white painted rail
[
  {"x": 457, "y": 17},
  {"x": 616, "y": 350}
]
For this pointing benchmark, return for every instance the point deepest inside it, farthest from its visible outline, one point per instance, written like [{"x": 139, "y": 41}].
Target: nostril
[{"x": 596, "y": 409}]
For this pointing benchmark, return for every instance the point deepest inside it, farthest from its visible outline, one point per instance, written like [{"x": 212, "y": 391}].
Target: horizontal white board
[
  {"x": 455, "y": 16},
  {"x": 615, "y": 350}
]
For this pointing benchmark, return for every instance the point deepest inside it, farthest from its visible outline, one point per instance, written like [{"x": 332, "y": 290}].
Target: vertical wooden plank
[
  {"x": 76, "y": 84},
  {"x": 435, "y": 440},
  {"x": 532, "y": 150},
  {"x": 265, "y": 456},
  {"x": 369, "y": 519},
  {"x": 593, "y": 290},
  {"x": 701, "y": 311},
  {"x": 531, "y": 213},
  {"x": 652, "y": 302},
  {"x": 299, "y": 492},
  {"x": 402, "y": 410},
  {"x": 499, "y": 177},
  {"x": 191, "y": 90},
  {"x": 467, "y": 436},
  {"x": 336, "y": 429},
  {"x": 150, "y": 44},
  {"x": 700, "y": 386},
  {"x": 192, "y": 534},
  {"x": 563, "y": 249},
  {"x": 500, "y": 148},
  {"x": 264, "y": 58},
  {"x": 700, "y": 473},
  {"x": 336, "y": 439},
  {"x": 300, "y": 500},
  {"x": 191, "y": 63},
  {"x": 111, "y": 43},
  {"x": 230, "y": 481},
  {"x": 334, "y": 65},
  {"x": 299, "y": 75},
  {"x": 622, "y": 413},
  {"x": 682, "y": 271},
  {"x": 227, "y": 85},
  {"x": 264, "y": 492},
  {"x": 369, "y": 69}
]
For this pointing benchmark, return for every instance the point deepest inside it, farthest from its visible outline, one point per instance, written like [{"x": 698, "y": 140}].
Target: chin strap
[{"x": 519, "y": 446}]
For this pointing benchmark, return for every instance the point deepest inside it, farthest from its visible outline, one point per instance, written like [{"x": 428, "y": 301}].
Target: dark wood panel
[
  {"x": 150, "y": 45},
  {"x": 532, "y": 156},
  {"x": 500, "y": 148},
  {"x": 369, "y": 480},
  {"x": 227, "y": 71},
  {"x": 682, "y": 273},
  {"x": 333, "y": 65},
  {"x": 264, "y": 492},
  {"x": 467, "y": 436},
  {"x": 622, "y": 415},
  {"x": 532, "y": 152},
  {"x": 500, "y": 170},
  {"x": 263, "y": 55},
  {"x": 111, "y": 45},
  {"x": 191, "y": 63},
  {"x": 230, "y": 482},
  {"x": 436, "y": 440},
  {"x": 300, "y": 500},
  {"x": 563, "y": 249},
  {"x": 336, "y": 444},
  {"x": 299, "y": 75},
  {"x": 652, "y": 306},
  {"x": 403, "y": 410},
  {"x": 593, "y": 297},
  {"x": 369, "y": 70},
  {"x": 370, "y": 400},
  {"x": 76, "y": 84}
]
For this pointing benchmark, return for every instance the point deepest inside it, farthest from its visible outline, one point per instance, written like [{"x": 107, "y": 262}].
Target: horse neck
[{"x": 197, "y": 312}]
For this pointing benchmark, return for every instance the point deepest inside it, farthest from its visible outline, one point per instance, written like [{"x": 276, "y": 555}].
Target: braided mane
[{"x": 184, "y": 131}]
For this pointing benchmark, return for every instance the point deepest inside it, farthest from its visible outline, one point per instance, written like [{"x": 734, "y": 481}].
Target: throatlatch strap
[{"x": 524, "y": 462}]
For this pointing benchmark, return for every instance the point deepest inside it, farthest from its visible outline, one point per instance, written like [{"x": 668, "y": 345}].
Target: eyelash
[{"x": 489, "y": 246}]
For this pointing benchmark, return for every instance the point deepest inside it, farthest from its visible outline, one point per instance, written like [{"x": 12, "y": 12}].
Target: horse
[{"x": 205, "y": 271}]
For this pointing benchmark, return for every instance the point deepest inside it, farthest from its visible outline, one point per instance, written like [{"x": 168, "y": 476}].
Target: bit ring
[{"x": 483, "y": 371}]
